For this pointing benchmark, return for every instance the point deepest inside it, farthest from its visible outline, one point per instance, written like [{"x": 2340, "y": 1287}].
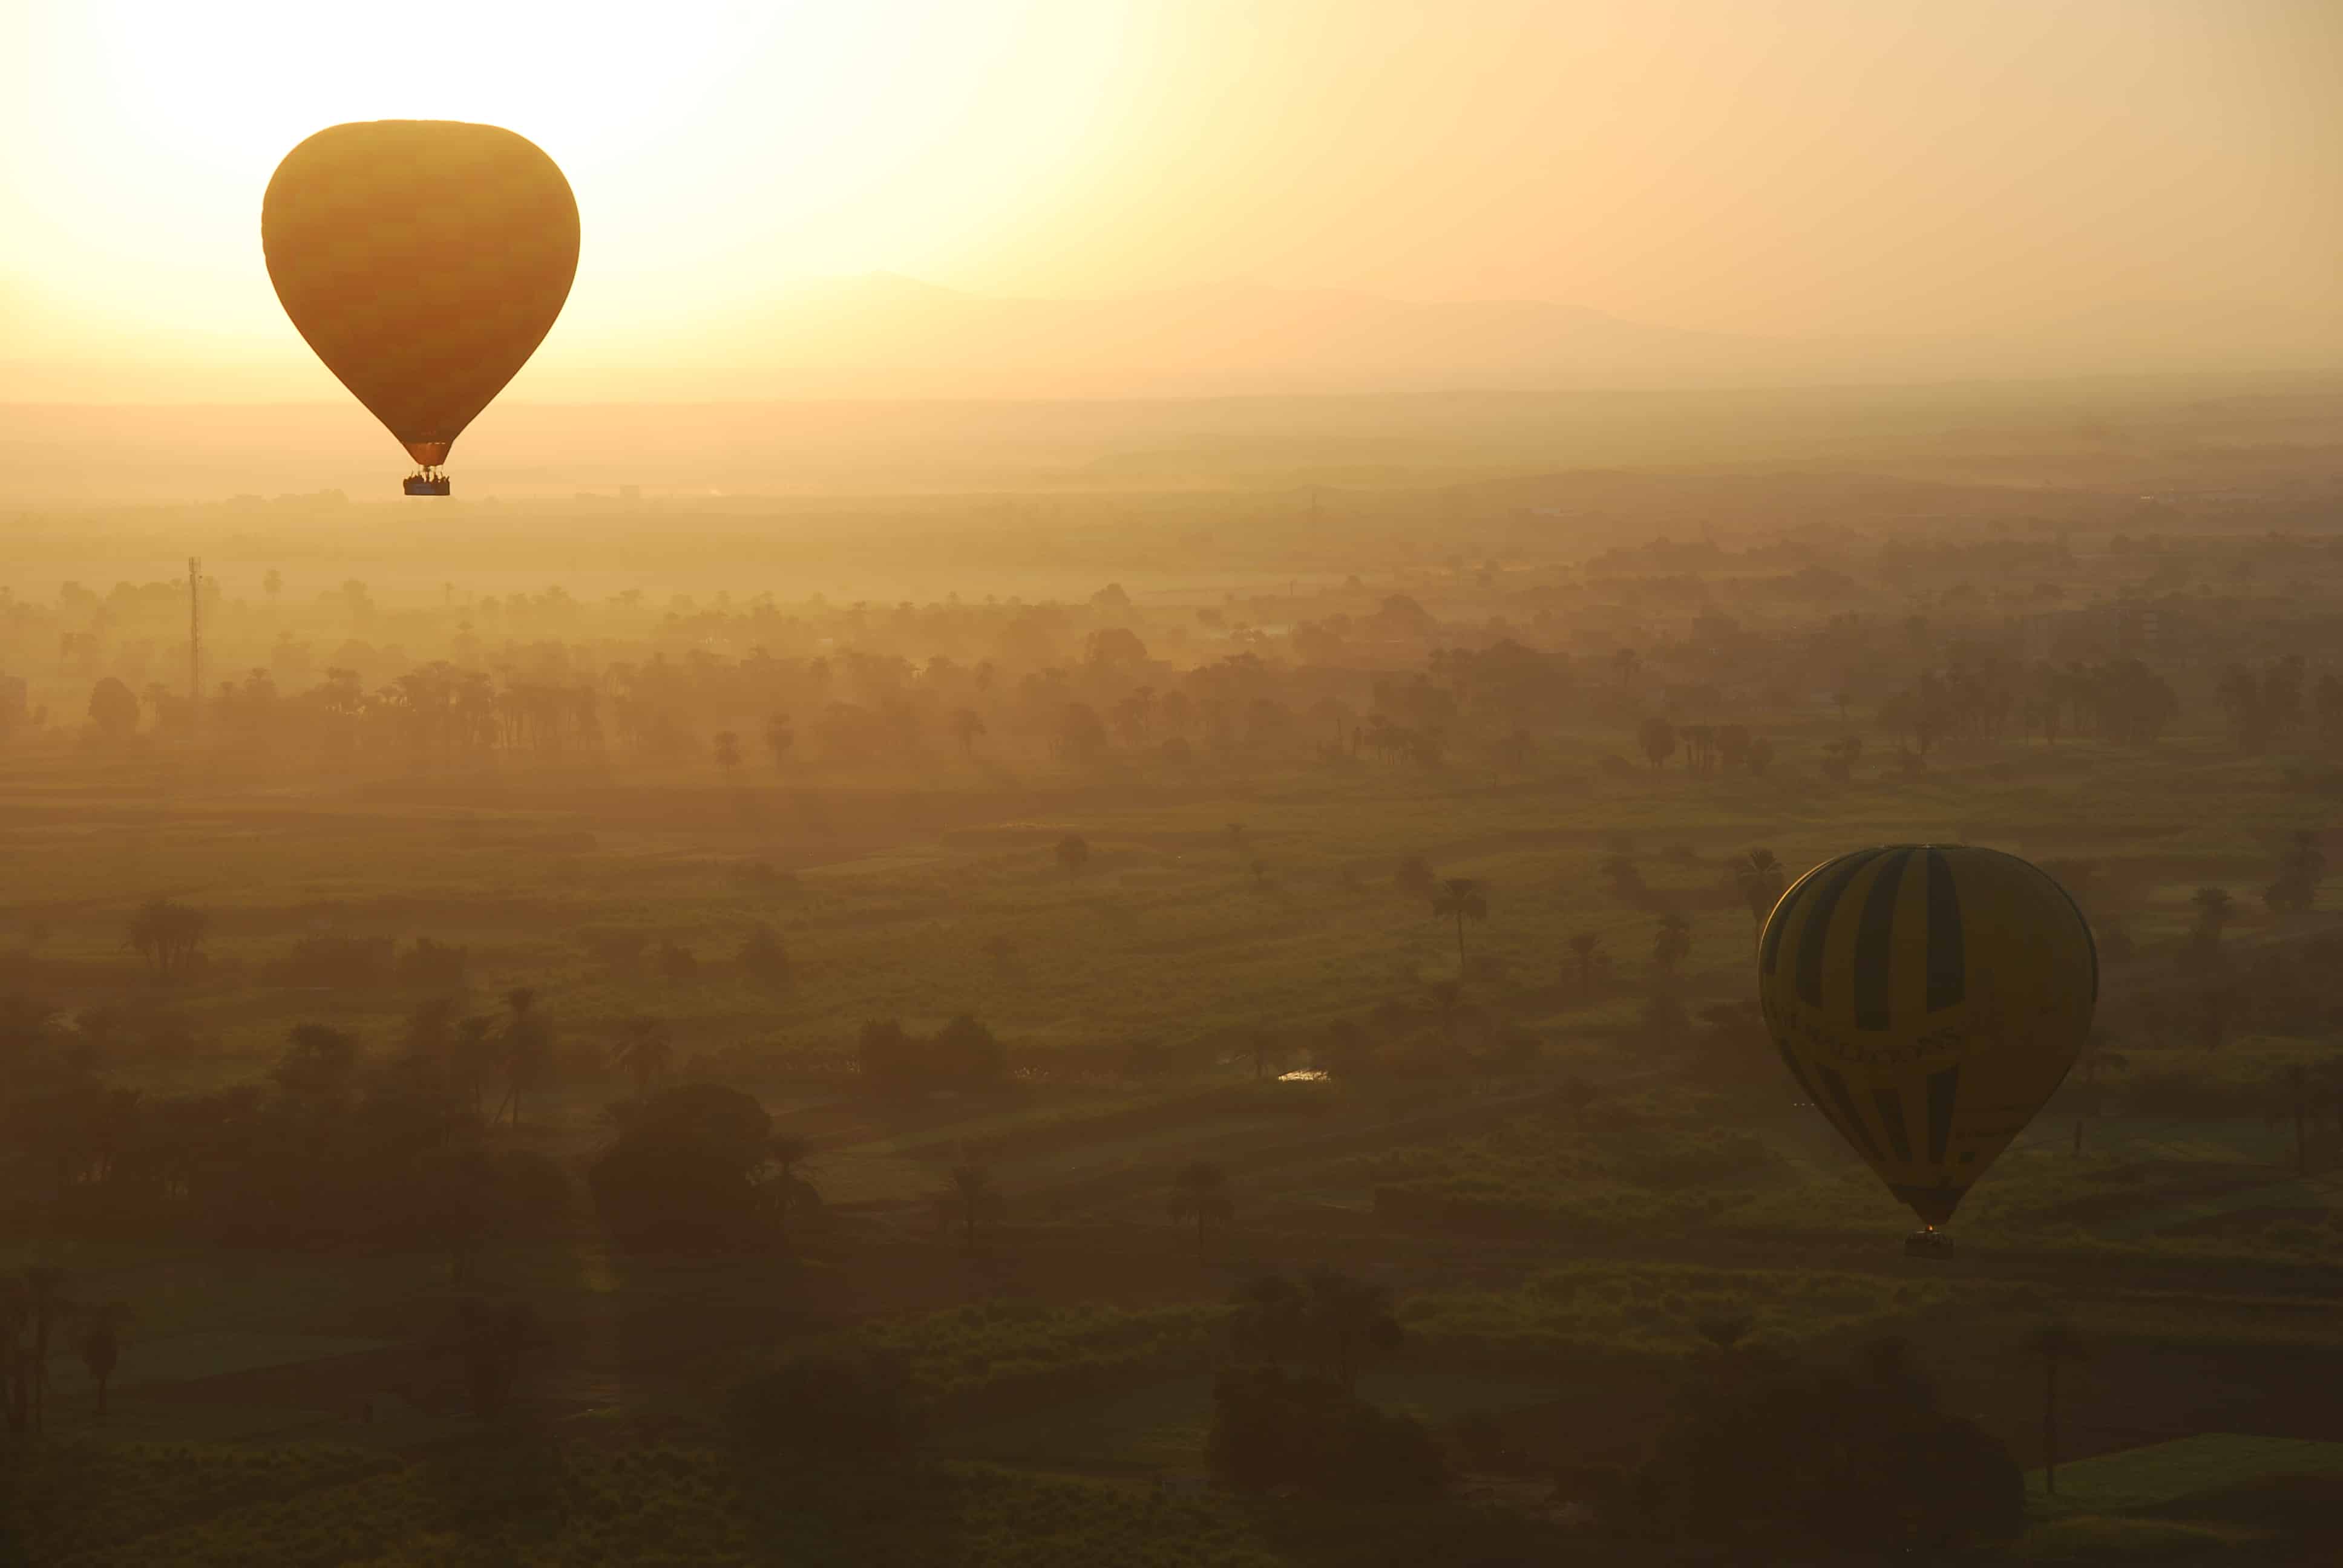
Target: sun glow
[
  {"x": 714, "y": 148},
  {"x": 1982, "y": 172}
]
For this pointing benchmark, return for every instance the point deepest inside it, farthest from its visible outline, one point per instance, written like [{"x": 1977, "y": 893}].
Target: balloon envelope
[
  {"x": 424, "y": 260},
  {"x": 1928, "y": 999}
]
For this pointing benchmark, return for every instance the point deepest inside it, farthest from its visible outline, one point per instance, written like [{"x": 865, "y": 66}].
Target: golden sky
[{"x": 1933, "y": 168}]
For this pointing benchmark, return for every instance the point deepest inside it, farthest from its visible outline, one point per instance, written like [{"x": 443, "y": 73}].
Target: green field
[{"x": 2217, "y": 1497}]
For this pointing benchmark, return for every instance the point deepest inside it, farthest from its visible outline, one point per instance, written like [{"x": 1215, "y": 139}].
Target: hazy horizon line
[{"x": 1704, "y": 388}]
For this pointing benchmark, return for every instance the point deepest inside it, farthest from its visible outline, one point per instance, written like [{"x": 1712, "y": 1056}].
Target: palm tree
[
  {"x": 966, "y": 726},
  {"x": 790, "y": 1154},
  {"x": 1267, "y": 1325},
  {"x": 1627, "y": 877},
  {"x": 1760, "y": 877},
  {"x": 644, "y": 1052},
  {"x": 1700, "y": 749},
  {"x": 780, "y": 739},
  {"x": 2214, "y": 910},
  {"x": 1201, "y": 1192},
  {"x": 2290, "y": 1097},
  {"x": 762, "y": 958},
  {"x": 1658, "y": 739},
  {"x": 25, "y": 1027},
  {"x": 1349, "y": 1318},
  {"x": 473, "y": 1050},
  {"x": 1672, "y": 943},
  {"x": 318, "y": 1065},
  {"x": 166, "y": 934},
  {"x": 428, "y": 1044},
  {"x": 455, "y": 1185},
  {"x": 2054, "y": 1344},
  {"x": 1266, "y": 1049},
  {"x": 1334, "y": 712},
  {"x": 101, "y": 1344},
  {"x": 43, "y": 1284},
  {"x": 1586, "y": 945},
  {"x": 1462, "y": 898},
  {"x": 971, "y": 1203},
  {"x": 528, "y": 1043},
  {"x": 787, "y": 1151},
  {"x": 1414, "y": 878},
  {"x": 490, "y": 1339}
]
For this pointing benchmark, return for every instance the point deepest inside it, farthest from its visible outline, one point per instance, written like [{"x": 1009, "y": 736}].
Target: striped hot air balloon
[
  {"x": 1928, "y": 999},
  {"x": 424, "y": 260}
]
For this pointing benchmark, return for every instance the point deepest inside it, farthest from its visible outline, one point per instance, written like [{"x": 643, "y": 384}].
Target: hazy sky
[{"x": 1807, "y": 166}]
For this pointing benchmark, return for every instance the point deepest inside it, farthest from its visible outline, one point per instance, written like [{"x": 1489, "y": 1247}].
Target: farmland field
[{"x": 1373, "y": 925}]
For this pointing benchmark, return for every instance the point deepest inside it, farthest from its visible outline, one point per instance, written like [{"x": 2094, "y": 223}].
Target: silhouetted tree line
[
  {"x": 336, "y": 1146},
  {"x": 1049, "y": 686},
  {"x": 1443, "y": 1033},
  {"x": 833, "y": 1407},
  {"x": 1273, "y": 1428},
  {"x": 963, "y": 1055},
  {"x": 2122, "y": 700},
  {"x": 2263, "y": 707},
  {"x": 543, "y": 677},
  {"x": 2301, "y": 867},
  {"x": 169, "y": 936},
  {"x": 370, "y": 964},
  {"x": 1815, "y": 1463},
  {"x": 1285, "y": 1412},
  {"x": 624, "y": 954},
  {"x": 697, "y": 1168},
  {"x": 488, "y": 1341}
]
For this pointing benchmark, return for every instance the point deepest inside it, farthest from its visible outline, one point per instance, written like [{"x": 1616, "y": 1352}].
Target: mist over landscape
[{"x": 1000, "y": 782}]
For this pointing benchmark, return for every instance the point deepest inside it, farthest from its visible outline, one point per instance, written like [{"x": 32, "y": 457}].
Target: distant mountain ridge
[
  {"x": 884, "y": 336},
  {"x": 896, "y": 333},
  {"x": 884, "y": 321},
  {"x": 1569, "y": 449}
]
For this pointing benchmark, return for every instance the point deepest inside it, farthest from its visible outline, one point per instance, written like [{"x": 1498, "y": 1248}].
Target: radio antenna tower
[{"x": 194, "y": 643}]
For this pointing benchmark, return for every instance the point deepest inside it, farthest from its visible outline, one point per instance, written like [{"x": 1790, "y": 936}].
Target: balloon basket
[
  {"x": 1930, "y": 1243},
  {"x": 427, "y": 484}
]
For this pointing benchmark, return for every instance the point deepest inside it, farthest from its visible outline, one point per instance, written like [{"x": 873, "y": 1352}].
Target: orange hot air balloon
[{"x": 424, "y": 260}]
